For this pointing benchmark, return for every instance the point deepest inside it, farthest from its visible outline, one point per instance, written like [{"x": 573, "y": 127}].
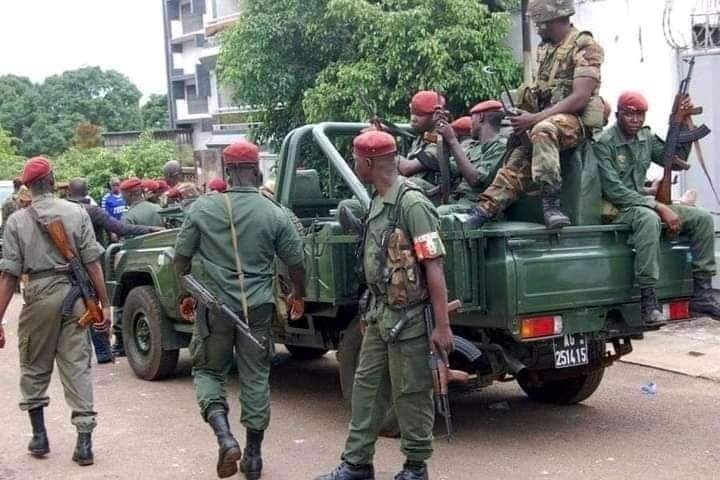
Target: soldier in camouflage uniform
[
  {"x": 625, "y": 152},
  {"x": 421, "y": 164},
  {"x": 402, "y": 260},
  {"x": 559, "y": 107},
  {"x": 232, "y": 240},
  {"x": 45, "y": 335},
  {"x": 483, "y": 154}
]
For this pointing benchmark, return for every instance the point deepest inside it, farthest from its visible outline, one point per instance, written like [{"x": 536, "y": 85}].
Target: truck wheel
[
  {"x": 142, "y": 335},
  {"x": 568, "y": 391},
  {"x": 306, "y": 353},
  {"x": 348, "y": 355}
]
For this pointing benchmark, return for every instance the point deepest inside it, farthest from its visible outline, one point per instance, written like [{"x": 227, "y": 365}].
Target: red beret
[
  {"x": 374, "y": 144},
  {"x": 131, "y": 184},
  {"x": 35, "y": 169},
  {"x": 162, "y": 184},
  {"x": 425, "y": 102},
  {"x": 173, "y": 193},
  {"x": 217, "y": 184},
  {"x": 242, "y": 153},
  {"x": 487, "y": 106},
  {"x": 634, "y": 101},
  {"x": 150, "y": 185},
  {"x": 462, "y": 126}
]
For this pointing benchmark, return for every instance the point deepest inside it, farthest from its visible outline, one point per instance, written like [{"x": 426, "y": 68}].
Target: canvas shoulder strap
[{"x": 236, "y": 252}]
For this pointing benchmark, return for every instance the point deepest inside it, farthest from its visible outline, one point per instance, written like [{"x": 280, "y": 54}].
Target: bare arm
[
  {"x": 576, "y": 102},
  {"x": 7, "y": 288},
  {"x": 408, "y": 168},
  {"x": 467, "y": 170}
]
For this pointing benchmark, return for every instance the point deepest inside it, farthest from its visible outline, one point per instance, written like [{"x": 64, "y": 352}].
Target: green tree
[
  {"x": 18, "y": 104},
  {"x": 155, "y": 114},
  {"x": 87, "y": 136},
  {"x": 312, "y": 58},
  {"x": 11, "y": 163}
]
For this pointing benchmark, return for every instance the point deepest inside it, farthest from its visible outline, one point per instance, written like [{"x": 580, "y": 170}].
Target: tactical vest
[
  {"x": 554, "y": 82},
  {"x": 403, "y": 279}
]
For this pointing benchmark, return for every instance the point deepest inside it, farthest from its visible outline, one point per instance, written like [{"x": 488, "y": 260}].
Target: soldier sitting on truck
[
  {"x": 624, "y": 153},
  {"x": 559, "y": 109},
  {"x": 483, "y": 153},
  {"x": 421, "y": 164}
]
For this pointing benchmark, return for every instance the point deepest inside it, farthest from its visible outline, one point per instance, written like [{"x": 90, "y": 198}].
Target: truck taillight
[
  {"x": 545, "y": 326},
  {"x": 677, "y": 310}
]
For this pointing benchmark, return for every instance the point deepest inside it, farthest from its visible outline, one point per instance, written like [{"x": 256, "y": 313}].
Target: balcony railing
[{"x": 192, "y": 23}]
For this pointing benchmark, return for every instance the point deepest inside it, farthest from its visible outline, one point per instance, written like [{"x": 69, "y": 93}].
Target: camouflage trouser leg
[
  {"x": 549, "y": 137},
  {"x": 399, "y": 371},
  {"x": 44, "y": 338}
]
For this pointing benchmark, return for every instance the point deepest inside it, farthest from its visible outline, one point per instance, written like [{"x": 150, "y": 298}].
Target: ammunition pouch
[
  {"x": 404, "y": 278},
  {"x": 594, "y": 114}
]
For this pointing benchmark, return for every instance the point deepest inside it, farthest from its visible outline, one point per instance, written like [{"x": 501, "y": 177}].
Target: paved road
[{"x": 153, "y": 430}]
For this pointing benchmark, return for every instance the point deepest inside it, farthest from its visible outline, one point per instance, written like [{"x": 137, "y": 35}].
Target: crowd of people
[{"x": 235, "y": 234}]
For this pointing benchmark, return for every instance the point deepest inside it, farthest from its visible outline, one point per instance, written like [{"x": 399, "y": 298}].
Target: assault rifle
[
  {"x": 81, "y": 284},
  {"x": 380, "y": 123},
  {"x": 515, "y": 140},
  {"x": 443, "y": 155},
  {"x": 676, "y": 136},
  {"x": 204, "y": 297}
]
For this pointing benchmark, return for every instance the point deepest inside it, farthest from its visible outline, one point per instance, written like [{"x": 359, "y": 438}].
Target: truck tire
[
  {"x": 142, "y": 335},
  {"x": 348, "y": 355},
  {"x": 568, "y": 391},
  {"x": 306, "y": 353}
]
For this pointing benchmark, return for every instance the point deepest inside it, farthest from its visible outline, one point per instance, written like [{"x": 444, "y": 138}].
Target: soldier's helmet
[{"x": 541, "y": 11}]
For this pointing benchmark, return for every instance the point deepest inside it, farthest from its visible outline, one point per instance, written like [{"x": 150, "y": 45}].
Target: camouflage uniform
[
  {"x": 395, "y": 372},
  {"x": 576, "y": 57}
]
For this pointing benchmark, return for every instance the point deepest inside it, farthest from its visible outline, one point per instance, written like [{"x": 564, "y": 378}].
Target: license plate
[{"x": 571, "y": 351}]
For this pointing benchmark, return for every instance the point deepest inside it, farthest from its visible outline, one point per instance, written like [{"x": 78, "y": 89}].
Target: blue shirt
[{"x": 114, "y": 205}]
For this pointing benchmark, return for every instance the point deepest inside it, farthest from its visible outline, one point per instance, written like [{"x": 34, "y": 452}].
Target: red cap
[
  {"x": 242, "y": 153},
  {"x": 425, "y": 102},
  {"x": 633, "y": 101},
  {"x": 462, "y": 126},
  {"x": 374, "y": 144},
  {"x": 150, "y": 185},
  {"x": 162, "y": 185},
  {"x": 217, "y": 184},
  {"x": 131, "y": 184},
  {"x": 173, "y": 193},
  {"x": 487, "y": 106},
  {"x": 35, "y": 169}
]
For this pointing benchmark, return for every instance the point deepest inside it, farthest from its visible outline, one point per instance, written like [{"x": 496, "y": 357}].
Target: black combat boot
[
  {"x": 554, "y": 217},
  {"x": 229, "y": 452},
  {"x": 703, "y": 302},
  {"x": 650, "y": 310},
  {"x": 83, "y": 454},
  {"x": 39, "y": 445},
  {"x": 413, "y": 471},
  {"x": 478, "y": 218},
  {"x": 251, "y": 464},
  {"x": 348, "y": 471},
  {"x": 350, "y": 224}
]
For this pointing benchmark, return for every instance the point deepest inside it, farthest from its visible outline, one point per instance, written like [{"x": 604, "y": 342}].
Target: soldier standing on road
[
  {"x": 559, "y": 108},
  {"x": 483, "y": 155},
  {"x": 624, "y": 153},
  {"x": 44, "y": 335},
  {"x": 402, "y": 226},
  {"x": 140, "y": 211},
  {"x": 232, "y": 240}
]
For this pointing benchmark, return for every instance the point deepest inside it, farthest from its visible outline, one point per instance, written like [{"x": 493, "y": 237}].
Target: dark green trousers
[
  {"x": 397, "y": 373},
  {"x": 213, "y": 356}
]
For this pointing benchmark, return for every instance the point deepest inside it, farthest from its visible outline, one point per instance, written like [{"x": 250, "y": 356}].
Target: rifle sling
[{"x": 238, "y": 262}]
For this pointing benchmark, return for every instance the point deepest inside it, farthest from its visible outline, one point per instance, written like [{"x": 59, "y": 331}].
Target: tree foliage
[
  {"x": 313, "y": 58},
  {"x": 155, "y": 113},
  {"x": 44, "y": 116},
  {"x": 87, "y": 136},
  {"x": 10, "y": 162}
]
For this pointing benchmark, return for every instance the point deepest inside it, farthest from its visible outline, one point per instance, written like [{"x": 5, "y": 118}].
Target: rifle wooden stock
[{"x": 56, "y": 230}]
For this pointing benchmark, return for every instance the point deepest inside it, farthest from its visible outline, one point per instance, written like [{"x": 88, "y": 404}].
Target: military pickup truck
[{"x": 548, "y": 309}]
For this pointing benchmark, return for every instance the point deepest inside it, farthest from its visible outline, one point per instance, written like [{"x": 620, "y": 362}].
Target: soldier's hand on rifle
[
  {"x": 523, "y": 122},
  {"x": 686, "y": 107},
  {"x": 447, "y": 132},
  {"x": 188, "y": 305},
  {"x": 442, "y": 338},
  {"x": 297, "y": 306},
  {"x": 105, "y": 325},
  {"x": 669, "y": 218},
  {"x": 2, "y": 336}
]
